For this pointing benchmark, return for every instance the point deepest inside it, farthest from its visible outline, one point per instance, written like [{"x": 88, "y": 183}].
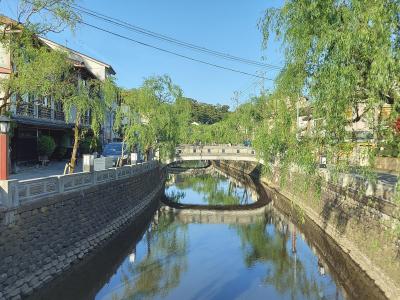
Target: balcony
[
  {"x": 34, "y": 111},
  {"x": 29, "y": 112}
]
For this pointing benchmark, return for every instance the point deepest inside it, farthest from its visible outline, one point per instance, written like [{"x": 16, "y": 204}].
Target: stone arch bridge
[{"x": 215, "y": 152}]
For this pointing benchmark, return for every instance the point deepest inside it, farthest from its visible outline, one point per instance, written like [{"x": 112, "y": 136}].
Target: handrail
[{"x": 18, "y": 192}]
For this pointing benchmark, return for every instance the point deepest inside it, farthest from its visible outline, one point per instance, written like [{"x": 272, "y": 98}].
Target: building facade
[{"x": 33, "y": 117}]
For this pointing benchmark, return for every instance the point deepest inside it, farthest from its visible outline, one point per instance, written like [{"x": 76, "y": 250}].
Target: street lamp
[
  {"x": 4, "y": 124},
  {"x": 4, "y": 159}
]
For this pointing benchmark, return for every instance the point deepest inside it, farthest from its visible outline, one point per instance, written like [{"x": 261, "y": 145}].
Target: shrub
[
  {"x": 61, "y": 149},
  {"x": 46, "y": 145},
  {"x": 60, "y": 152},
  {"x": 90, "y": 144}
]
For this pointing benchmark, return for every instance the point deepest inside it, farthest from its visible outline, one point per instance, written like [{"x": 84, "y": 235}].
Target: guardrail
[
  {"x": 215, "y": 152},
  {"x": 214, "y": 149},
  {"x": 17, "y": 192}
]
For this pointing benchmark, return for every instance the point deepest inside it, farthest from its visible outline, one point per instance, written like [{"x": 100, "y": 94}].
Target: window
[
  {"x": 237, "y": 151},
  {"x": 209, "y": 150}
]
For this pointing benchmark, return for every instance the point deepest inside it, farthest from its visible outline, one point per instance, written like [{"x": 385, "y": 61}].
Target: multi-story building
[{"x": 46, "y": 116}]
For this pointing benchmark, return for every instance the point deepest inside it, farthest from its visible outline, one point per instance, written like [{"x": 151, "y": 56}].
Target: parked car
[
  {"x": 114, "y": 150},
  {"x": 247, "y": 143}
]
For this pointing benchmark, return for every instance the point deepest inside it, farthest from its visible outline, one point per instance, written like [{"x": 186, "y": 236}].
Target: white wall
[{"x": 4, "y": 57}]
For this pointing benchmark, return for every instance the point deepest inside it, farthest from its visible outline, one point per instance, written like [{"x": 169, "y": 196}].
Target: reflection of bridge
[
  {"x": 215, "y": 152},
  {"x": 228, "y": 213},
  {"x": 210, "y": 216}
]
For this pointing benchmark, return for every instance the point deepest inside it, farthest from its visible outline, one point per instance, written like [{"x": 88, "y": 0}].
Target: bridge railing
[
  {"x": 214, "y": 150},
  {"x": 17, "y": 192}
]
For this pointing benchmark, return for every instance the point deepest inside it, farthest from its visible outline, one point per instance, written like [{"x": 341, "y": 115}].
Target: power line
[
  {"x": 172, "y": 52},
  {"x": 144, "y": 31},
  {"x": 168, "y": 51}
]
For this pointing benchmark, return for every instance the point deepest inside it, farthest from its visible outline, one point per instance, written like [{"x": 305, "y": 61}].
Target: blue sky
[{"x": 223, "y": 25}]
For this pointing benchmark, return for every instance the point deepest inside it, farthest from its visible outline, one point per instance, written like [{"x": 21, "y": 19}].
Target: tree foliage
[
  {"x": 344, "y": 57},
  {"x": 43, "y": 73},
  {"x": 234, "y": 128},
  {"x": 43, "y": 16},
  {"x": 204, "y": 113},
  {"x": 154, "y": 117}
]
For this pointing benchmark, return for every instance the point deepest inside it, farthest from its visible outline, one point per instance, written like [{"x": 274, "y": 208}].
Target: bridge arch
[{"x": 215, "y": 152}]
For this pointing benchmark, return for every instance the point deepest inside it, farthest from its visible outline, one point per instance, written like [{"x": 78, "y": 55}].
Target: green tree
[
  {"x": 344, "y": 56},
  {"x": 92, "y": 96},
  {"x": 42, "y": 73},
  {"x": 154, "y": 116},
  {"x": 235, "y": 127},
  {"x": 204, "y": 113}
]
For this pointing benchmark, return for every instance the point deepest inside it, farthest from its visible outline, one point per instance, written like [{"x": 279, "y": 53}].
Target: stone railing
[
  {"x": 359, "y": 184},
  {"x": 215, "y": 152},
  {"x": 17, "y": 192},
  {"x": 388, "y": 164}
]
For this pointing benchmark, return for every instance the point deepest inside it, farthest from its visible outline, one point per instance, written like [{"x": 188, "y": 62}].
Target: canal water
[
  {"x": 237, "y": 254},
  {"x": 208, "y": 188}
]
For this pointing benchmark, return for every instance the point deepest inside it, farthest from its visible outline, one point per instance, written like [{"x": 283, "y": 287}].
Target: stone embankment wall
[
  {"x": 365, "y": 227},
  {"x": 48, "y": 235}
]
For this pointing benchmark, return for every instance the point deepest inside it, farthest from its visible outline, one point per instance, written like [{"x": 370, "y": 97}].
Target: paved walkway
[
  {"x": 53, "y": 168},
  {"x": 387, "y": 178}
]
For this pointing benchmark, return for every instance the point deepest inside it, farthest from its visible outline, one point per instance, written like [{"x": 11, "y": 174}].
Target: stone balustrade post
[
  {"x": 370, "y": 189},
  {"x": 88, "y": 163},
  {"x": 60, "y": 180},
  {"x": 8, "y": 193}
]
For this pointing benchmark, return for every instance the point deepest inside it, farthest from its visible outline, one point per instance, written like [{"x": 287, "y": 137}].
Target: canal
[{"x": 224, "y": 240}]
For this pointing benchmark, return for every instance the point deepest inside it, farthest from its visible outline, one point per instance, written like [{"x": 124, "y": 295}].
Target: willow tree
[
  {"x": 235, "y": 128},
  {"x": 154, "y": 117},
  {"x": 44, "y": 73},
  {"x": 91, "y": 98},
  {"x": 344, "y": 57},
  {"x": 39, "y": 71},
  {"x": 35, "y": 17}
]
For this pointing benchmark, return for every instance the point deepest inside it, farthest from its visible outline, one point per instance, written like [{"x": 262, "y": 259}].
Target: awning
[{"x": 42, "y": 123}]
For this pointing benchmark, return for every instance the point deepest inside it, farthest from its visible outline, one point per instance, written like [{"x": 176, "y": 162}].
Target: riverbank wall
[
  {"x": 43, "y": 238},
  {"x": 364, "y": 227}
]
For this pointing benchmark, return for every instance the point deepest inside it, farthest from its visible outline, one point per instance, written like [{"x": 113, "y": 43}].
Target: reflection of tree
[
  {"x": 285, "y": 272},
  {"x": 215, "y": 188},
  {"x": 176, "y": 196},
  {"x": 161, "y": 268}
]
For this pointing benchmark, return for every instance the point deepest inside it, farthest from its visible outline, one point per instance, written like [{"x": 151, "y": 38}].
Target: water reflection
[
  {"x": 210, "y": 188},
  {"x": 155, "y": 266},
  {"x": 242, "y": 257},
  {"x": 175, "y": 260},
  {"x": 290, "y": 266},
  {"x": 243, "y": 254}
]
